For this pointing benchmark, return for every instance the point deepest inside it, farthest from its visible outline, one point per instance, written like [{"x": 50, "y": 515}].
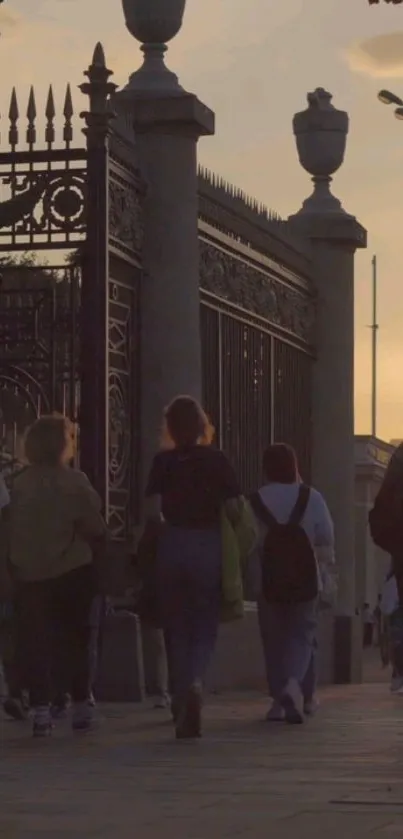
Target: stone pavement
[{"x": 341, "y": 774}]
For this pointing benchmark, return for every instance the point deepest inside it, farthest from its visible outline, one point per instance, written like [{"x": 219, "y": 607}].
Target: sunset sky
[{"x": 253, "y": 61}]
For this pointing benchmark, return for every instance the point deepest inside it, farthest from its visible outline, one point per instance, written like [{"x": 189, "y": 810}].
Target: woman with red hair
[{"x": 189, "y": 485}]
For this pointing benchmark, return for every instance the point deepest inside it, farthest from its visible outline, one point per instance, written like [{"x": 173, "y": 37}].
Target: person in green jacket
[{"x": 54, "y": 521}]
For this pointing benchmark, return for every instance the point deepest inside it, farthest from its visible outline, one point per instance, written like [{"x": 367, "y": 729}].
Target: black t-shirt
[{"x": 193, "y": 484}]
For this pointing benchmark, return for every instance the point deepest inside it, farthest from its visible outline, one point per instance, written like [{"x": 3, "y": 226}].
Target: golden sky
[{"x": 253, "y": 61}]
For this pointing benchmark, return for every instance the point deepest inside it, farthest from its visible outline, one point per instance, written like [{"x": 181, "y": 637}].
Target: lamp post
[{"x": 389, "y": 98}]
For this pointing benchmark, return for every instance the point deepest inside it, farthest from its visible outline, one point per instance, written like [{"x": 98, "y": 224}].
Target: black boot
[{"x": 188, "y": 721}]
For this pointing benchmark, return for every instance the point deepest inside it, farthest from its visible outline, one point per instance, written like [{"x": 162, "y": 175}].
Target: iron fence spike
[
  {"x": 98, "y": 59},
  {"x": 31, "y": 109},
  {"x": 50, "y": 111},
  {"x": 68, "y": 110},
  {"x": 13, "y": 112}
]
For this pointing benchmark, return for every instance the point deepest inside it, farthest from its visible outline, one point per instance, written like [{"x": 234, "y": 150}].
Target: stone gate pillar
[
  {"x": 321, "y": 133},
  {"x": 168, "y": 122}
]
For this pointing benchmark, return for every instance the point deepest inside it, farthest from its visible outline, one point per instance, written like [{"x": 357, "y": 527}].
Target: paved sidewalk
[{"x": 341, "y": 773}]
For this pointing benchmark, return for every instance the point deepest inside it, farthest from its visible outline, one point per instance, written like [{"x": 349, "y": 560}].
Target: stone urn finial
[
  {"x": 321, "y": 133},
  {"x": 153, "y": 23}
]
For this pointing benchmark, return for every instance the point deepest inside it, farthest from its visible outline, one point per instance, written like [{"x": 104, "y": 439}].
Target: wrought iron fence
[
  {"x": 38, "y": 347},
  {"x": 256, "y": 389}
]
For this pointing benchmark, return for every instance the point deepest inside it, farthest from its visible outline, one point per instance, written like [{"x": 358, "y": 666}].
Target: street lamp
[{"x": 388, "y": 98}]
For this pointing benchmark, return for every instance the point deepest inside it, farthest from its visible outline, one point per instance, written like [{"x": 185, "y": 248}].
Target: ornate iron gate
[
  {"x": 69, "y": 335},
  {"x": 43, "y": 209}
]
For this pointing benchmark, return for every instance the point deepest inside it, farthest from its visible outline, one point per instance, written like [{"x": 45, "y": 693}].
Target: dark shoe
[
  {"x": 162, "y": 702},
  {"x": 188, "y": 723},
  {"x": 15, "y": 709},
  {"x": 83, "y": 720},
  {"x": 42, "y": 724},
  {"x": 58, "y": 712},
  {"x": 175, "y": 708},
  {"x": 42, "y": 729},
  {"x": 84, "y": 726},
  {"x": 276, "y": 713},
  {"x": 311, "y": 706}
]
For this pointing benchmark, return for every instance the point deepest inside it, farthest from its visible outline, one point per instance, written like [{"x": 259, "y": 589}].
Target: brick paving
[{"x": 342, "y": 773}]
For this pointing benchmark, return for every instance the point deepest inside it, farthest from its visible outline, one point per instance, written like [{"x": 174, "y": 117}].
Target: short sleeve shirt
[{"x": 193, "y": 484}]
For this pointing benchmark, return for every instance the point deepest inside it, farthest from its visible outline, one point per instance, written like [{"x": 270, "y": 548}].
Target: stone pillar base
[{"x": 347, "y": 650}]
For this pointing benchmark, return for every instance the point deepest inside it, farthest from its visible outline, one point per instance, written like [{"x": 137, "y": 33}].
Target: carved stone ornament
[
  {"x": 244, "y": 285},
  {"x": 154, "y": 23},
  {"x": 321, "y": 134},
  {"x": 126, "y": 224}
]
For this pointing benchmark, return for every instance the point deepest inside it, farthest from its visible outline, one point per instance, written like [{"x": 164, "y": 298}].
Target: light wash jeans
[{"x": 289, "y": 639}]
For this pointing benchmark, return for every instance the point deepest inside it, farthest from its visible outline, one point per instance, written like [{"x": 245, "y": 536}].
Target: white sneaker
[
  {"x": 276, "y": 713},
  {"x": 292, "y": 701},
  {"x": 162, "y": 702},
  {"x": 311, "y": 707},
  {"x": 396, "y": 685}
]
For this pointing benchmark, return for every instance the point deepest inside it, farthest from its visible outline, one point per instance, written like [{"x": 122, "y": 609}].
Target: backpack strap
[
  {"x": 261, "y": 511},
  {"x": 301, "y": 504}
]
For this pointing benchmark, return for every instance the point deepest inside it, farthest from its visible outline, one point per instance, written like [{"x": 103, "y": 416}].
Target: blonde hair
[
  {"x": 50, "y": 440},
  {"x": 185, "y": 423}
]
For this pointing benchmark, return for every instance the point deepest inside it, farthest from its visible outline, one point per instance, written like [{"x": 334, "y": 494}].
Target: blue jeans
[
  {"x": 288, "y": 634},
  {"x": 189, "y": 592}
]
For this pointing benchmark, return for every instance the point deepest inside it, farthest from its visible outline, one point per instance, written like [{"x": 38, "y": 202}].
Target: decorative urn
[
  {"x": 154, "y": 21},
  {"x": 321, "y": 134}
]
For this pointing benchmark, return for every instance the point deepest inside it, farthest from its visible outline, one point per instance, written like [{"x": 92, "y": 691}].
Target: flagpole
[{"x": 374, "y": 330}]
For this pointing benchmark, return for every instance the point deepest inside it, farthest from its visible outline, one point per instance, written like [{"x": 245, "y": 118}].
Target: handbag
[{"x": 238, "y": 539}]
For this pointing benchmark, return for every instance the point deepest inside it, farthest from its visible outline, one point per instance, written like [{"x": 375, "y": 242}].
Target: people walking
[
  {"x": 55, "y": 519},
  {"x": 189, "y": 484},
  {"x": 294, "y": 521}
]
